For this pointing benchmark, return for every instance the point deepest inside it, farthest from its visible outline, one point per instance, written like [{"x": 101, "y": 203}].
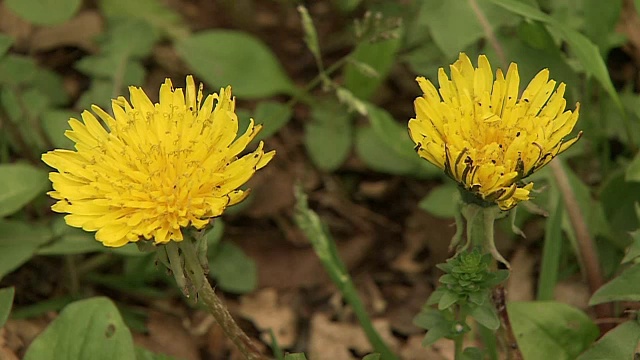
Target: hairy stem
[
  {"x": 500, "y": 303},
  {"x": 230, "y": 328}
]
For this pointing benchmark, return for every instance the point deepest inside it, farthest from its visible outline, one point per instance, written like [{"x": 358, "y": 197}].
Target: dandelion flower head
[
  {"x": 151, "y": 170},
  {"x": 486, "y": 137}
]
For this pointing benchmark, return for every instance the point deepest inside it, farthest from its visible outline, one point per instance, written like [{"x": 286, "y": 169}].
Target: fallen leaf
[
  {"x": 168, "y": 336},
  {"x": 335, "y": 340},
  {"x": 79, "y": 31},
  {"x": 267, "y": 313},
  {"x": 520, "y": 286}
]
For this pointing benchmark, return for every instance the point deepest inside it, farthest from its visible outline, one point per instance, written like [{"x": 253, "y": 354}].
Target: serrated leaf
[
  {"x": 19, "y": 184},
  {"x": 6, "y": 302},
  {"x": 328, "y": 137},
  {"x": 619, "y": 343},
  {"x": 442, "y": 201},
  {"x": 624, "y": 287},
  {"x": 229, "y": 57},
  {"x": 87, "y": 329},
  {"x": 233, "y": 270},
  {"x": 44, "y": 12},
  {"x": 18, "y": 243},
  {"x": 486, "y": 315},
  {"x": 551, "y": 330}
]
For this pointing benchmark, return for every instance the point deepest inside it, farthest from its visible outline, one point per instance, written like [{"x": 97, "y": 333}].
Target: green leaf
[
  {"x": 633, "y": 251},
  {"x": 379, "y": 56},
  {"x": 19, "y": 184},
  {"x": 44, "y": 12},
  {"x": 296, "y": 356},
  {"x": 552, "y": 250},
  {"x": 6, "y": 302},
  {"x": 618, "y": 199},
  {"x": 328, "y": 137},
  {"x": 233, "y": 270},
  {"x": 5, "y": 43},
  {"x": 228, "y": 57},
  {"x": 16, "y": 70},
  {"x": 375, "y": 153},
  {"x": 144, "y": 354},
  {"x": 624, "y": 287},
  {"x": 155, "y": 13},
  {"x": 447, "y": 300},
  {"x": 396, "y": 137},
  {"x": 472, "y": 353},
  {"x": 213, "y": 235},
  {"x": 633, "y": 170},
  {"x": 55, "y": 123},
  {"x": 486, "y": 315},
  {"x": 619, "y": 343},
  {"x": 18, "y": 242},
  {"x": 87, "y": 329},
  {"x": 273, "y": 116},
  {"x": 454, "y": 25},
  {"x": 551, "y": 330},
  {"x": 69, "y": 240},
  {"x": 442, "y": 201},
  {"x": 600, "y": 18},
  {"x": 587, "y": 53}
]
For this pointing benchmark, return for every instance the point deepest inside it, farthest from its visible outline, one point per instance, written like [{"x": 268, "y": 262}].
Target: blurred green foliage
[{"x": 349, "y": 115}]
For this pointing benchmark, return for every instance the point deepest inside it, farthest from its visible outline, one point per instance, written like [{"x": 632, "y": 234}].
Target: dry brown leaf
[
  {"x": 168, "y": 336},
  {"x": 276, "y": 259},
  {"x": 267, "y": 313},
  {"x": 333, "y": 340},
  {"x": 573, "y": 292},
  {"x": 520, "y": 286},
  {"x": 79, "y": 31},
  {"x": 424, "y": 230},
  {"x": 14, "y": 26},
  {"x": 413, "y": 350},
  {"x": 7, "y": 351}
]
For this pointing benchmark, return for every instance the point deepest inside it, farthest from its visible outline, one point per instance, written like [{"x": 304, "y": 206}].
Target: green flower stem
[
  {"x": 326, "y": 250},
  {"x": 230, "y": 328},
  {"x": 458, "y": 341},
  {"x": 480, "y": 229},
  {"x": 193, "y": 272}
]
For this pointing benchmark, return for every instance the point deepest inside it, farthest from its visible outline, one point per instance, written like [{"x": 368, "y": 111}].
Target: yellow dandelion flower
[
  {"x": 486, "y": 137},
  {"x": 154, "y": 168}
]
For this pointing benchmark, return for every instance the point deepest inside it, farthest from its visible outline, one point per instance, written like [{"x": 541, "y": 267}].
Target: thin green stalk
[
  {"x": 551, "y": 253},
  {"x": 458, "y": 341},
  {"x": 195, "y": 275},
  {"x": 325, "y": 248},
  {"x": 228, "y": 325}
]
